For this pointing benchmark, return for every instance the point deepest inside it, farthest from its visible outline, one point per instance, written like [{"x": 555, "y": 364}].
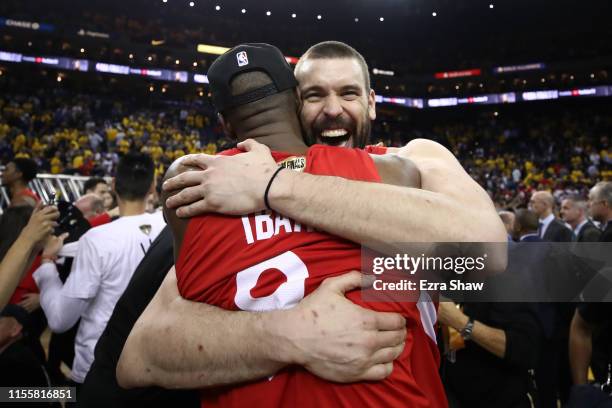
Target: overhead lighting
[
  {"x": 164, "y": 90},
  {"x": 387, "y": 87},
  {"x": 377, "y": 71},
  {"x": 543, "y": 80},
  {"x": 201, "y": 93},
  {"x": 150, "y": 58},
  {"x": 151, "y": 88},
  {"x": 293, "y": 15},
  {"x": 59, "y": 78},
  {"x": 217, "y": 8},
  {"x": 243, "y": 11},
  {"x": 82, "y": 50},
  {"x": 211, "y": 49},
  {"x": 434, "y": 14},
  {"x": 496, "y": 113},
  {"x": 268, "y": 13},
  {"x": 191, "y": 4},
  {"x": 131, "y": 56},
  {"x": 382, "y": 19},
  {"x": 481, "y": 85},
  {"x": 592, "y": 76},
  {"x": 572, "y": 77},
  {"x": 177, "y": 62},
  {"x": 195, "y": 64},
  {"x": 164, "y": 1},
  {"x": 319, "y": 17},
  {"x": 491, "y": 5},
  {"x": 356, "y": 20}
]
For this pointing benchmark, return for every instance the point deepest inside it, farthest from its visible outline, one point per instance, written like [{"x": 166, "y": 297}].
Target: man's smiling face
[{"x": 336, "y": 106}]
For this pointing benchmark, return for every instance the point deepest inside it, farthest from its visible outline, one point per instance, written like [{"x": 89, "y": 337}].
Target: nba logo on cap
[{"x": 242, "y": 58}]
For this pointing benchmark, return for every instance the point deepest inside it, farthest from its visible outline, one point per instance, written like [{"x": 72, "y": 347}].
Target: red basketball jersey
[{"x": 265, "y": 261}]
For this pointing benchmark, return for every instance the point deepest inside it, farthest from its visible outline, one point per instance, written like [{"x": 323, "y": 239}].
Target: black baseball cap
[{"x": 244, "y": 58}]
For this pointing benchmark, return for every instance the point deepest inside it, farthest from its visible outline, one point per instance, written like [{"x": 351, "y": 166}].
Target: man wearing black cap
[
  {"x": 16, "y": 176},
  {"x": 355, "y": 91},
  {"x": 246, "y": 90},
  {"x": 239, "y": 346}
]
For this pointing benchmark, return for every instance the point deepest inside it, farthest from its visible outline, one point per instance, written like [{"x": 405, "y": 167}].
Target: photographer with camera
[{"x": 105, "y": 260}]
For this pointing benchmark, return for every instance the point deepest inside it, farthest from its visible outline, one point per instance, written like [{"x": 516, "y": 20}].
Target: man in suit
[
  {"x": 600, "y": 208},
  {"x": 573, "y": 212},
  {"x": 553, "y": 371},
  {"x": 550, "y": 229}
]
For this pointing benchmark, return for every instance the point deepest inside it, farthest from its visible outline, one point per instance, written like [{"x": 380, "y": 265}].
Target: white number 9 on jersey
[{"x": 285, "y": 296}]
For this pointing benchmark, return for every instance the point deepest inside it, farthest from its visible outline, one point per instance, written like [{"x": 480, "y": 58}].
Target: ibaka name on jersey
[{"x": 265, "y": 225}]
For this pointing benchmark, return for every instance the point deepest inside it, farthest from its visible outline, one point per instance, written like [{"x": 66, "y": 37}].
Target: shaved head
[{"x": 542, "y": 203}]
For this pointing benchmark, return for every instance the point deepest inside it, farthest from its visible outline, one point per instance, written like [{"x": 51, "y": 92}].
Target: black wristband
[{"x": 268, "y": 187}]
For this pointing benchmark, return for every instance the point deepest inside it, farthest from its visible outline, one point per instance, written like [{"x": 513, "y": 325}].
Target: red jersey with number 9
[{"x": 265, "y": 261}]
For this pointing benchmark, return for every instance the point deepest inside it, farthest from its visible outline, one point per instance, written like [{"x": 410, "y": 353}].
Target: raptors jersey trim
[{"x": 265, "y": 261}]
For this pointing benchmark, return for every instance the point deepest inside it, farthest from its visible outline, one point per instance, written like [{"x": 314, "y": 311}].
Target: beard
[{"x": 357, "y": 135}]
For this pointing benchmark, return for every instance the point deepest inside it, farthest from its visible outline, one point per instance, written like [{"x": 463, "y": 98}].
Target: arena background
[
  {"x": 518, "y": 90},
  {"x": 507, "y": 85}
]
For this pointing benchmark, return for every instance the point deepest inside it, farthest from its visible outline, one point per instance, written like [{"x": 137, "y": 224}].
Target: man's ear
[
  {"x": 226, "y": 126},
  {"x": 372, "y": 105},
  {"x": 298, "y": 101}
]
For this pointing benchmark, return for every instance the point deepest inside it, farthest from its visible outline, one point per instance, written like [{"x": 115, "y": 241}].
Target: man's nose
[{"x": 333, "y": 107}]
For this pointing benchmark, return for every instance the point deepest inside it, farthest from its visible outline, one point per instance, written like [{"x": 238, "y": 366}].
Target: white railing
[{"x": 68, "y": 188}]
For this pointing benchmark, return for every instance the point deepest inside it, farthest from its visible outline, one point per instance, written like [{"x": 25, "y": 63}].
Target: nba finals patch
[
  {"x": 297, "y": 163},
  {"x": 146, "y": 229}
]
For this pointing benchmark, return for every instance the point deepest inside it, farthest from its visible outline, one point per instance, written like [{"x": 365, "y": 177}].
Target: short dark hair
[
  {"x": 27, "y": 167},
  {"x": 91, "y": 184},
  {"x": 337, "y": 49},
  {"x": 134, "y": 176},
  {"x": 528, "y": 220}
]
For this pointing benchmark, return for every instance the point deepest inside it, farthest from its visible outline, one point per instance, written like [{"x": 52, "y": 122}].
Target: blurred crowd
[
  {"x": 86, "y": 135},
  {"x": 565, "y": 152}
]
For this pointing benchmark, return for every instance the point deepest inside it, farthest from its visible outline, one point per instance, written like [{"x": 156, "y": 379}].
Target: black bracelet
[{"x": 268, "y": 187}]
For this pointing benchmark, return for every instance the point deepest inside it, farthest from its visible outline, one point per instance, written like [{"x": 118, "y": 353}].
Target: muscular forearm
[
  {"x": 224, "y": 347},
  {"x": 13, "y": 266},
  {"x": 181, "y": 344},
  {"x": 580, "y": 349},
  {"x": 374, "y": 212}
]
